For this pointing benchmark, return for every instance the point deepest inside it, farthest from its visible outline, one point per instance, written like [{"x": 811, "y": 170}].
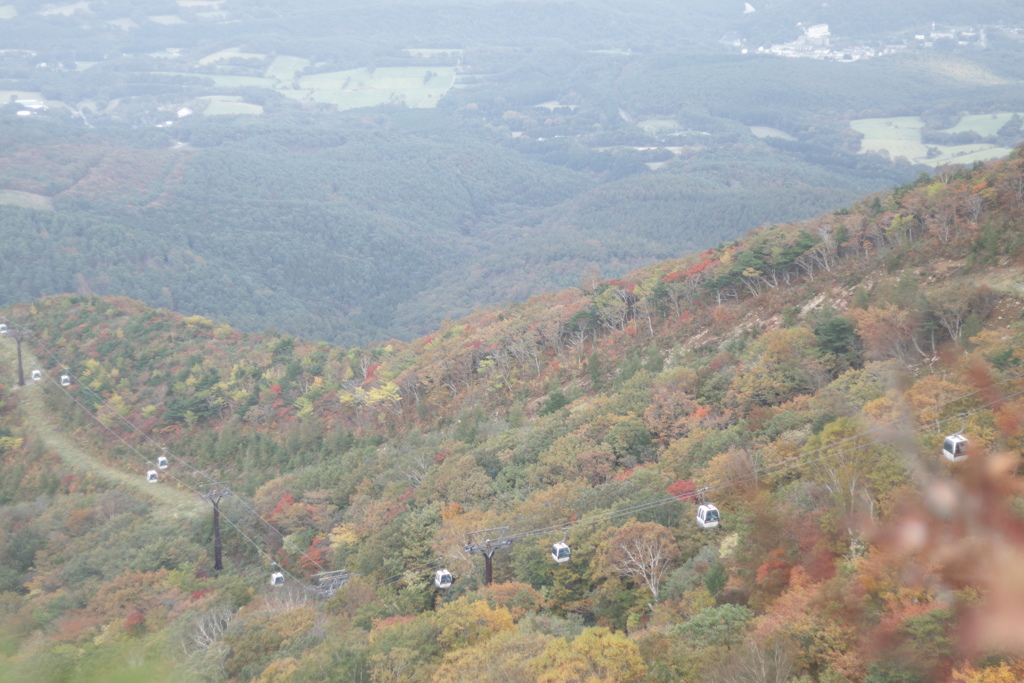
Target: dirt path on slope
[{"x": 45, "y": 427}]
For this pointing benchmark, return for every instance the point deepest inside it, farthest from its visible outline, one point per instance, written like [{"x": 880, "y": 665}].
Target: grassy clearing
[
  {"x": 982, "y": 124},
  {"x": 372, "y": 87},
  {"x": 224, "y": 81},
  {"x": 230, "y": 105},
  {"x": 966, "y": 72},
  {"x": 284, "y": 68},
  {"x": 968, "y": 154},
  {"x": 66, "y": 10},
  {"x": 552, "y": 105},
  {"x": 8, "y": 12},
  {"x": 167, "y": 19},
  {"x": 769, "y": 132},
  {"x": 31, "y": 405},
  {"x": 656, "y": 126},
  {"x": 125, "y": 24},
  {"x": 26, "y": 200},
  {"x": 902, "y": 128},
  {"x": 230, "y": 53},
  {"x": 5, "y": 95},
  {"x": 430, "y": 52},
  {"x": 900, "y": 136}
]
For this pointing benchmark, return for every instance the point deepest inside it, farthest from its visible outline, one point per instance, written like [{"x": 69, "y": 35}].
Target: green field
[
  {"x": 982, "y": 124},
  {"x": 228, "y": 105},
  {"x": 769, "y": 132},
  {"x": 430, "y": 52},
  {"x": 229, "y": 53},
  {"x": 345, "y": 89},
  {"x": 224, "y": 81},
  {"x": 66, "y": 10},
  {"x": 167, "y": 19},
  {"x": 6, "y": 95},
  {"x": 372, "y": 87},
  {"x": 900, "y": 136},
  {"x": 125, "y": 24},
  {"x": 8, "y": 12},
  {"x": 284, "y": 68},
  {"x": 26, "y": 200},
  {"x": 660, "y": 126}
]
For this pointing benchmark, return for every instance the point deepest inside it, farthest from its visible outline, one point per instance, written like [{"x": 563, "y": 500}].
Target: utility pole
[
  {"x": 487, "y": 547},
  {"x": 214, "y": 493}
]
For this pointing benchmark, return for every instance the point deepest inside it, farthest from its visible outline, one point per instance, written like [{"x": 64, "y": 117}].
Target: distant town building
[
  {"x": 817, "y": 35},
  {"x": 817, "y": 42},
  {"x": 731, "y": 39}
]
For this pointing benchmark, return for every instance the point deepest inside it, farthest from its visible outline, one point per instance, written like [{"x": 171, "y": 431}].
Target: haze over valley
[
  {"x": 662, "y": 341},
  {"x": 351, "y": 173}
]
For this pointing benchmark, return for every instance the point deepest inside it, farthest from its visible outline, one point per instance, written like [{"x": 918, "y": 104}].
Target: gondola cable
[{"x": 166, "y": 453}]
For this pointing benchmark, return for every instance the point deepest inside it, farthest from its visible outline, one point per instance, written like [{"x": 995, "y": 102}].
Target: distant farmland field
[
  {"x": 225, "y": 81},
  {"x": 982, "y": 124},
  {"x": 5, "y": 95},
  {"x": 26, "y": 200},
  {"x": 66, "y": 10},
  {"x": 167, "y": 19},
  {"x": 417, "y": 87},
  {"x": 284, "y": 68},
  {"x": 900, "y": 136},
  {"x": 229, "y": 53},
  {"x": 224, "y": 105}
]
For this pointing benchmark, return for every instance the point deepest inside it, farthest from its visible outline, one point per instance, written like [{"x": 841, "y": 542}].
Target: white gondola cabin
[
  {"x": 3, "y": 328},
  {"x": 152, "y": 477},
  {"x": 65, "y": 380},
  {"x": 955, "y": 447},
  {"x": 707, "y": 516},
  {"x": 560, "y": 552},
  {"x": 36, "y": 375},
  {"x": 277, "y": 579},
  {"x": 162, "y": 463},
  {"x": 443, "y": 579}
]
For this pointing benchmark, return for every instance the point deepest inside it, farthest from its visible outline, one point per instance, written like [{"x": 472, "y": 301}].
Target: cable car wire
[
  {"x": 766, "y": 471},
  {"x": 771, "y": 470},
  {"x": 166, "y": 451},
  {"x": 171, "y": 476},
  {"x": 165, "y": 473}
]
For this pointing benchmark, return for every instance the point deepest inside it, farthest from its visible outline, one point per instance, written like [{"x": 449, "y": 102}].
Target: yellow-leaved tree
[{"x": 596, "y": 656}]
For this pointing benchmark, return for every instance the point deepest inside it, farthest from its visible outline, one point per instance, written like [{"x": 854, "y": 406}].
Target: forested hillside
[
  {"x": 801, "y": 379},
  {"x": 355, "y": 232},
  {"x": 351, "y": 173}
]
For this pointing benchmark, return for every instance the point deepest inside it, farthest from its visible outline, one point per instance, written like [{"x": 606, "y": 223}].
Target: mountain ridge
[{"x": 803, "y": 377}]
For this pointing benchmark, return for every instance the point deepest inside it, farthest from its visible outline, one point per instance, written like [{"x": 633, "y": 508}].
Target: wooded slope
[{"x": 805, "y": 376}]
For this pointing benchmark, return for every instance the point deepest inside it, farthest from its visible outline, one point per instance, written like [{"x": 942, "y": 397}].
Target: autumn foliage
[{"x": 802, "y": 379}]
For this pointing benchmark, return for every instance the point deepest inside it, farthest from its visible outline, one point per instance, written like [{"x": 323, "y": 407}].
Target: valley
[
  {"x": 769, "y": 377},
  {"x": 440, "y": 340}
]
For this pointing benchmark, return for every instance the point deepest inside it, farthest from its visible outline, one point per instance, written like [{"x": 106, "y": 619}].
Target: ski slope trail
[{"x": 45, "y": 427}]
